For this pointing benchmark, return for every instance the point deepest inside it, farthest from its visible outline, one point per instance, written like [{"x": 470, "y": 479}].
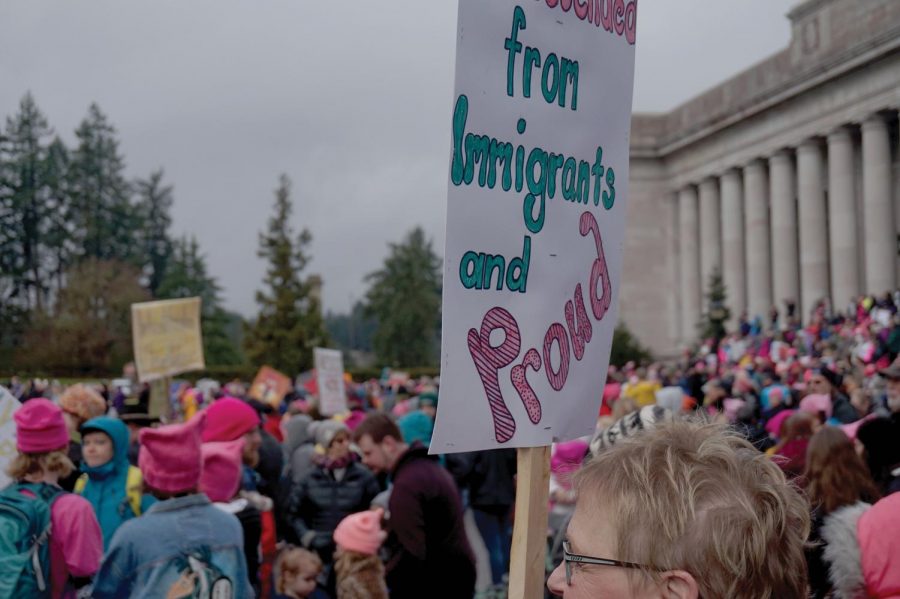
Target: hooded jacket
[
  {"x": 106, "y": 486},
  {"x": 298, "y": 448}
]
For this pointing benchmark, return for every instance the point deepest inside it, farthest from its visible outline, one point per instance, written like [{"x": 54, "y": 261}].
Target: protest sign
[
  {"x": 8, "y": 407},
  {"x": 270, "y": 386},
  {"x": 167, "y": 337},
  {"x": 330, "y": 380},
  {"x": 535, "y": 219}
]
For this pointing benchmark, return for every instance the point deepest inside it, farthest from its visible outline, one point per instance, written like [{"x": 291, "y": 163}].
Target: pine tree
[
  {"x": 186, "y": 276},
  {"x": 712, "y": 326},
  {"x": 105, "y": 218},
  {"x": 25, "y": 205},
  {"x": 289, "y": 324},
  {"x": 405, "y": 298},
  {"x": 155, "y": 205}
]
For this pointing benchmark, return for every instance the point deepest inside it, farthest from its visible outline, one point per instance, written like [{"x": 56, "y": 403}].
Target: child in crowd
[
  {"x": 295, "y": 572},
  {"x": 221, "y": 482},
  {"x": 360, "y": 572},
  {"x": 112, "y": 486},
  {"x": 75, "y": 540},
  {"x": 183, "y": 544}
]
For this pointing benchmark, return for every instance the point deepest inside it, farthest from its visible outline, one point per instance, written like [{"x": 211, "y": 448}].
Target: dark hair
[
  {"x": 378, "y": 426},
  {"x": 835, "y": 475}
]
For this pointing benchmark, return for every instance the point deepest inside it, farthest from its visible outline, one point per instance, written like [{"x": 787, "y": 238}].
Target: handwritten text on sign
[
  {"x": 167, "y": 337},
  {"x": 542, "y": 111}
]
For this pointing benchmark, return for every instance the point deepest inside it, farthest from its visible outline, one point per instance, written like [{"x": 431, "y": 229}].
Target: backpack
[
  {"x": 199, "y": 578},
  {"x": 24, "y": 540},
  {"x": 134, "y": 488}
]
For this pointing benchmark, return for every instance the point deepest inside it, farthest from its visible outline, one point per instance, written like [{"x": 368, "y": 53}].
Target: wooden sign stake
[{"x": 529, "y": 544}]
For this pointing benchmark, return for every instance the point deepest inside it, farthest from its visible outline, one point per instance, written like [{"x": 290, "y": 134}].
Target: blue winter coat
[{"x": 106, "y": 486}]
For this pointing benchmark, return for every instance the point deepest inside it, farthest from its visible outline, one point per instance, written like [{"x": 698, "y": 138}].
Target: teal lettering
[
  {"x": 533, "y": 223},
  {"x": 460, "y": 112},
  {"x": 532, "y": 61},
  {"x": 610, "y": 198},
  {"x": 517, "y": 272},
  {"x": 568, "y": 179},
  {"x": 597, "y": 170},
  {"x": 584, "y": 182},
  {"x": 550, "y": 89},
  {"x": 493, "y": 264},
  {"x": 513, "y": 46}
]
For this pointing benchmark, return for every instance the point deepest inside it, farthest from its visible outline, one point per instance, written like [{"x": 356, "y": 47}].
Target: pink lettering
[
  {"x": 519, "y": 379},
  {"x": 490, "y": 359},
  {"x": 556, "y": 333},
  {"x": 583, "y": 9},
  {"x": 580, "y": 335},
  {"x": 620, "y": 16},
  {"x": 599, "y": 305}
]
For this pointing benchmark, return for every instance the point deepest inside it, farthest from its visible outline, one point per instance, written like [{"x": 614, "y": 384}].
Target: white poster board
[
  {"x": 330, "y": 380},
  {"x": 8, "y": 406},
  {"x": 535, "y": 219}
]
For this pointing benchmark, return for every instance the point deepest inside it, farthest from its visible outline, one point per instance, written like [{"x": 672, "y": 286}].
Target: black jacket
[
  {"x": 490, "y": 477},
  {"x": 319, "y": 502}
]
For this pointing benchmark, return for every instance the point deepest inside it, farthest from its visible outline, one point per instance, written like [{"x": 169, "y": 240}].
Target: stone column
[
  {"x": 673, "y": 263},
  {"x": 785, "y": 260},
  {"x": 878, "y": 213},
  {"x": 813, "y": 228},
  {"x": 842, "y": 238},
  {"x": 710, "y": 231},
  {"x": 759, "y": 262},
  {"x": 689, "y": 246},
  {"x": 733, "y": 264}
]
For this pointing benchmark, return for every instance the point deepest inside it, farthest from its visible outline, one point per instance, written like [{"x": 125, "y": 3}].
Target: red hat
[
  {"x": 228, "y": 419},
  {"x": 170, "y": 456},
  {"x": 222, "y": 464},
  {"x": 40, "y": 427}
]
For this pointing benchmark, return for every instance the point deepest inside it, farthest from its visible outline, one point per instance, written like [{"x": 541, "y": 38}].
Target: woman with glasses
[{"x": 682, "y": 511}]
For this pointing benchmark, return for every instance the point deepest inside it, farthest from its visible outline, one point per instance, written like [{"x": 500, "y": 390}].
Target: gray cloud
[{"x": 351, "y": 99}]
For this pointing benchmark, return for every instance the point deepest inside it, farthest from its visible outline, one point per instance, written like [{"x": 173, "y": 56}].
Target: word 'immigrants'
[{"x": 570, "y": 340}]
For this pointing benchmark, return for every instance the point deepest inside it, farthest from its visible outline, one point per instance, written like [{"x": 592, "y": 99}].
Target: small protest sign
[
  {"x": 8, "y": 407},
  {"x": 535, "y": 219},
  {"x": 330, "y": 379},
  {"x": 167, "y": 338},
  {"x": 270, "y": 386}
]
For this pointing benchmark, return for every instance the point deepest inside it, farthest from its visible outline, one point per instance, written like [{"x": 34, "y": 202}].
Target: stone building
[{"x": 785, "y": 177}]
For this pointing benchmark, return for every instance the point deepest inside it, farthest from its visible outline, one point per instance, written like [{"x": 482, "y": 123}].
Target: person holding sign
[{"x": 682, "y": 511}]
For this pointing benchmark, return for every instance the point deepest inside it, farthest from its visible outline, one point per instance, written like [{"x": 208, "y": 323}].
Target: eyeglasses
[{"x": 570, "y": 558}]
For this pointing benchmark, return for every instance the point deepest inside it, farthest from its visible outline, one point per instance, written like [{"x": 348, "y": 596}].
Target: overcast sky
[{"x": 351, "y": 99}]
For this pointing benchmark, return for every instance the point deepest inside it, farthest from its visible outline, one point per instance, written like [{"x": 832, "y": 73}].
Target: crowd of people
[{"x": 763, "y": 464}]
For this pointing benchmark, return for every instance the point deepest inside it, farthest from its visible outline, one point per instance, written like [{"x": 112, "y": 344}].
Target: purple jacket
[{"x": 426, "y": 529}]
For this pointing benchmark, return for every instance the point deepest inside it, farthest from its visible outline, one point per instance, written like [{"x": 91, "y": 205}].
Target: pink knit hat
[
  {"x": 816, "y": 403},
  {"x": 170, "y": 456},
  {"x": 361, "y": 532},
  {"x": 222, "y": 464},
  {"x": 40, "y": 427},
  {"x": 228, "y": 419}
]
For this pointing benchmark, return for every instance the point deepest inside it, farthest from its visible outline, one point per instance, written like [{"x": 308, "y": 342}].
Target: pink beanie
[
  {"x": 228, "y": 419},
  {"x": 170, "y": 455},
  {"x": 361, "y": 532},
  {"x": 816, "y": 403},
  {"x": 879, "y": 547},
  {"x": 222, "y": 464},
  {"x": 40, "y": 427}
]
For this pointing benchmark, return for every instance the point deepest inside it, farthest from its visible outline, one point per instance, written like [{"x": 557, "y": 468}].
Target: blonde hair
[
  {"x": 291, "y": 562},
  {"x": 693, "y": 496},
  {"x": 25, "y": 464}
]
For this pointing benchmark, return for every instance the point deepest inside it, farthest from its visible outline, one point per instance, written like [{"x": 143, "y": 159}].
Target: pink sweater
[{"x": 76, "y": 543}]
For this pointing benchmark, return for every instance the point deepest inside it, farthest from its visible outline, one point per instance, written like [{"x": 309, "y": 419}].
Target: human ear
[{"x": 678, "y": 584}]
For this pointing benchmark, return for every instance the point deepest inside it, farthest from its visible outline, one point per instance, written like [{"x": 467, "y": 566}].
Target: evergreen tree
[
  {"x": 25, "y": 206},
  {"x": 626, "y": 348},
  {"x": 712, "y": 326},
  {"x": 60, "y": 231},
  {"x": 105, "y": 219},
  {"x": 155, "y": 205},
  {"x": 405, "y": 299},
  {"x": 289, "y": 324},
  {"x": 186, "y": 276}
]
